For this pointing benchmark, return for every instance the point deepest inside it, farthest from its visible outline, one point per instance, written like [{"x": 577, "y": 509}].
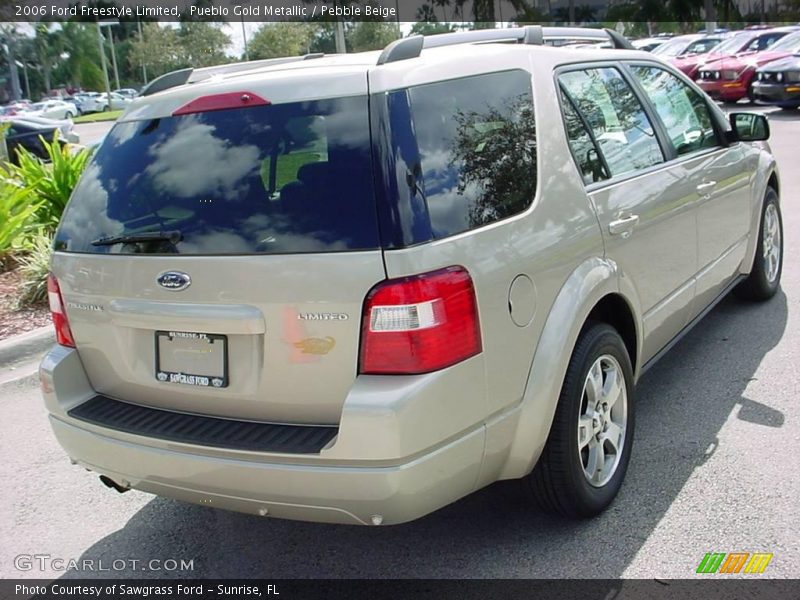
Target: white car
[
  {"x": 98, "y": 102},
  {"x": 127, "y": 93},
  {"x": 66, "y": 127},
  {"x": 52, "y": 109}
]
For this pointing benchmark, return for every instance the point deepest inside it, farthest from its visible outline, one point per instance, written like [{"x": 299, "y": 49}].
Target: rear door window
[{"x": 284, "y": 178}]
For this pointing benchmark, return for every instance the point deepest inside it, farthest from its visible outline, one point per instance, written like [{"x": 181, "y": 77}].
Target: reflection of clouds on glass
[
  {"x": 193, "y": 162},
  {"x": 90, "y": 212},
  {"x": 437, "y": 163},
  {"x": 122, "y": 132},
  {"x": 450, "y": 209},
  {"x": 223, "y": 242},
  {"x": 274, "y": 233},
  {"x": 345, "y": 126}
]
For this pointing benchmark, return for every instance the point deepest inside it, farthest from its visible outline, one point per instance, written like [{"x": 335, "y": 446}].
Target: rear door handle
[
  {"x": 705, "y": 188},
  {"x": 623, "y": 226}
]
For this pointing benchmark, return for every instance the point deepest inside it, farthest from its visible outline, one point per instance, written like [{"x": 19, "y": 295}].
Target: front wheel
[
  {"x": 587, "y": 452},
  {"x": 765, "y": 276}
]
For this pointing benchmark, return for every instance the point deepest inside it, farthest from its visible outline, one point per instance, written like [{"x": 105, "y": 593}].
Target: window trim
[{"x": 563, "y": 92}]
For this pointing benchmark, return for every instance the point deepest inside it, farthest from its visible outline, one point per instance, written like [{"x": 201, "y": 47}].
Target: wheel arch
[
  {"x": 594, "y": 291},
  {"x": 766, "y": 176}
]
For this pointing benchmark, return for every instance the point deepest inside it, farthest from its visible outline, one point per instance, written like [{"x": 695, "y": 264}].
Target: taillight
[
  {"x": 63, "y": 333},
  {"x": 420, "y": 324}
]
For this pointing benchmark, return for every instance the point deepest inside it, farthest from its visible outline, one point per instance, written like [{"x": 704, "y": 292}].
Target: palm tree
[{"x": 49, "y": 47}]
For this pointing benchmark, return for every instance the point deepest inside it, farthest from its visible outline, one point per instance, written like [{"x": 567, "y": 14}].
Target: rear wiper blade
[{"x": 148, "y": 236}]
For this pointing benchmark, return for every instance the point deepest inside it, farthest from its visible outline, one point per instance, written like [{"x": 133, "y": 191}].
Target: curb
[{"x": 26, "y": 345}]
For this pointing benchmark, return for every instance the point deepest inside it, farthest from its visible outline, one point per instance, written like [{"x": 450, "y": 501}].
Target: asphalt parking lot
[{"x": 714, "y": 469}]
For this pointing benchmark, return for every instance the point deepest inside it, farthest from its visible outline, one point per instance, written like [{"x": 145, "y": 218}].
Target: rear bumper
[
  {"x": 779, "y": 94},
  {"x": 342, "y": 484}
]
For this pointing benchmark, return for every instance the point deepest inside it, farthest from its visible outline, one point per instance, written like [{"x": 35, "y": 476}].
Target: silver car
[{"x": 357, "y": 288}]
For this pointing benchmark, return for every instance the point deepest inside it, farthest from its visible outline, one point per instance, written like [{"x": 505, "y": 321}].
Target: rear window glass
[{"x": 287, "y": 178}]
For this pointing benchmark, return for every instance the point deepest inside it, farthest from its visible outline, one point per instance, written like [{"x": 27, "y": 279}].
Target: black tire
[
  {"x": 789, "y": 108},
  {"x": 558, "y": 483},
  {"x": 106, "y": 108},
  {"x": 758, "y": 287}
]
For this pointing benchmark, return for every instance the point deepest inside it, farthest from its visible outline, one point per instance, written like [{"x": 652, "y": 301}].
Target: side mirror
[{"x": 749, "y": 127}]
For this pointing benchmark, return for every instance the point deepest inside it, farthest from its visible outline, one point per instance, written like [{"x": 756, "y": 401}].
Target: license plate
[{"x": 189, "y": 358}]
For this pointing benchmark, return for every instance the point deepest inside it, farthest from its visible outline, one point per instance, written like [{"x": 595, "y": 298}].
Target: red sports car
[
  {"x": 730, "y": 79},
  {"x": 740, "y": 42}
]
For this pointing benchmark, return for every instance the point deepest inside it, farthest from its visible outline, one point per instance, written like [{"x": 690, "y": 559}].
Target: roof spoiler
[{"x": 184, "y": 76}]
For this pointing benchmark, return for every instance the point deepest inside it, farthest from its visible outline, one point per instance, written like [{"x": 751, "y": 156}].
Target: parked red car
[
  {"x": 730, "y": 79},
  {"x": 740, "y": 42}
]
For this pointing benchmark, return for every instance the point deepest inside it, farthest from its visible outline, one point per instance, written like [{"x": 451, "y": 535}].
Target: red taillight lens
[
  {"x": 420, "y": 324},
  {"x": 63, "y": 333}
]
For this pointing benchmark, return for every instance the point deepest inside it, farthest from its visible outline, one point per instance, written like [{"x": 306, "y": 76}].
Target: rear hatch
[{"x": 216, "y": 262}]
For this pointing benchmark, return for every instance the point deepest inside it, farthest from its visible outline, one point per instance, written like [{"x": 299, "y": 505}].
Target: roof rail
[
  {"x": 184, "y": 76},
  {"x": 412, "y": 46}
]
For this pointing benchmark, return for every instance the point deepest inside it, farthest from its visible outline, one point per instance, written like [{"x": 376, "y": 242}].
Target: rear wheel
[
  {"x": 765, "y": 276},
  {"x": 587, "y": 452}
]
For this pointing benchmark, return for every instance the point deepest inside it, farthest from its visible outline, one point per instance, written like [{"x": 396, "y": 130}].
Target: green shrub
[
  {"x": 51, "y": 183},
  {"x": 17, "y": 210},
  {"x": 34, "y": 266}
]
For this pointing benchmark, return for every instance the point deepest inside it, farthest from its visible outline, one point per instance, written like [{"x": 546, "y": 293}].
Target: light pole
[
  {"x": 244, "y": 34},
  {"x": 113, "y": 56},
  {"x": 101, "y": 40},
  {"x": 141, "y": 41},
  {"x": 103, "y": 63}
]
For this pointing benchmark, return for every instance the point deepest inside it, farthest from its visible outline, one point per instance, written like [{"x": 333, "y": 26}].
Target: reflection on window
[
  {"x": 283, "y": 178},
  {"x": 477, "y": 143},
  {"x": 618, "y": 121},
  {"x": 682, "y": 110}
]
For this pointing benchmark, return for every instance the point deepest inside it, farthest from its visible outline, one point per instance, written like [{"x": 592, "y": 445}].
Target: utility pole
[
  {"x": 141, "y": 41},
  {"x": 113, "y": 57},
  {"x": 341, "y": 46},
  {"x": 103, "y": 63},
  {"x": 711, "y": 16}
]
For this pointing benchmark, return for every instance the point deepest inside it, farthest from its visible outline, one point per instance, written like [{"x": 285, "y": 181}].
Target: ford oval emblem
[{"x": 174, "y": 281}]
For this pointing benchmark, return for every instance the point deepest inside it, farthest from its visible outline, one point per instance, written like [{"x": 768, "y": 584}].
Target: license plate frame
[{"x": 219, "y": 379}]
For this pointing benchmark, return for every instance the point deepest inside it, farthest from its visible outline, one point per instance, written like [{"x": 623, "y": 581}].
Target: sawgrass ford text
[
  {"x": 250, "y": 10},
  {"x": 77, "y": 590}
]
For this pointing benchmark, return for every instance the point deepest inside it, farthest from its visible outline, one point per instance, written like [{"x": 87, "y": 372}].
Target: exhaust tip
[{"x": 110, "y": 483}]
